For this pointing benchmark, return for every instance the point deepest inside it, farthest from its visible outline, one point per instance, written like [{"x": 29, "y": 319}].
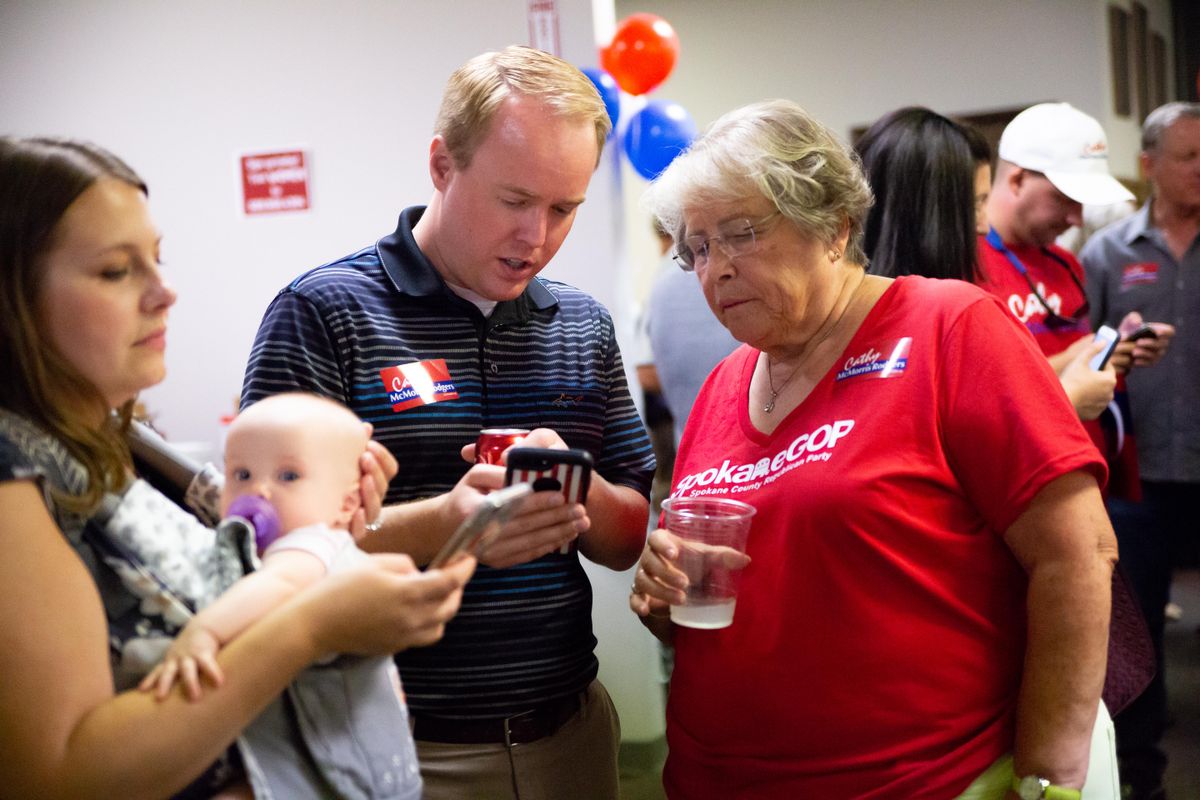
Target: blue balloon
[
  {"x": 610, "y": 93},
  {"x": 656, "y": 134}
]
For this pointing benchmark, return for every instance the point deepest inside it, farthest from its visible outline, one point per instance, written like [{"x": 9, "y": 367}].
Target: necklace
[{"x": 769, "y": 406}]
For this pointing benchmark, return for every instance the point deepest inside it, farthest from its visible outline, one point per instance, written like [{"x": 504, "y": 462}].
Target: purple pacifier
[{"x": 260, "y": 515}]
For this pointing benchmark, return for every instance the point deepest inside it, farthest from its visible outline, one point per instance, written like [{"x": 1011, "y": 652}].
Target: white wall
[{"x": 180, "y": 89}]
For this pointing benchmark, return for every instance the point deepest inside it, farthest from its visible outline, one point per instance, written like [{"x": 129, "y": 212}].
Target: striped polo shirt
[{"x": 549, "y": 359}]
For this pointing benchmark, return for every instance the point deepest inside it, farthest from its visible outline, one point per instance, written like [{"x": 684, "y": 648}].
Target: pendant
[{"x": 770, "y": 406}]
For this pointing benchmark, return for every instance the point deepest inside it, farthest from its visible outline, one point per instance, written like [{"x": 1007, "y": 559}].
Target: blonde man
[{"x": 444, "y": 328}]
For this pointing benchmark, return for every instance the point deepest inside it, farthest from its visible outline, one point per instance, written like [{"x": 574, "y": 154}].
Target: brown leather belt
[{"x": 528, "y": 726}]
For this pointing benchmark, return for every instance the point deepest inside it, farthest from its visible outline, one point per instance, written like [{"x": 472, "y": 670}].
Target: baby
[{"x": 299, "y": 453}]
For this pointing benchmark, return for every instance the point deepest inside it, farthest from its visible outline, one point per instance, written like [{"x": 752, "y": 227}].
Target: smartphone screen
[{"x": 1110, "y": 337}]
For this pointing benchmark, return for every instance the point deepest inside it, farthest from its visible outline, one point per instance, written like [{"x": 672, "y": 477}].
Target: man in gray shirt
[
  {"x": 686, "y": 339},
  {"x": 1150, "y": 263}
]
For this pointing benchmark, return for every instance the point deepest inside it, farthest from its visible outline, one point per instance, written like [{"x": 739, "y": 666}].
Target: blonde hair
[
  {"x": 776, "y": 149},
  {"x": 339, "y": 430},
  {"x": 477, "y": 88}
]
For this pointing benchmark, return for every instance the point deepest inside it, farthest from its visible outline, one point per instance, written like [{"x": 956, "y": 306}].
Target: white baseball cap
[{"x": 1068, "y": 147}]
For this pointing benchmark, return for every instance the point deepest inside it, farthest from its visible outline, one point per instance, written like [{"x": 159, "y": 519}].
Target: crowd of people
[{"x": 910, "y": 405}]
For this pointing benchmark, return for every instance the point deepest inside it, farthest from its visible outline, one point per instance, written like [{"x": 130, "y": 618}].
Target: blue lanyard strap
[
  {"x": 1053, "y": 319},
  {"x": 993, "y": 238}
]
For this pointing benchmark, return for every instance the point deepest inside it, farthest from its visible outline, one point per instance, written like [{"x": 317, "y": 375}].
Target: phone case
[
  {"x": 1143, "y": 331},
  {"x": 568, "y": 470},
  {"x": 476, "y": 531},
  {"x": 1110, "y": 338}
]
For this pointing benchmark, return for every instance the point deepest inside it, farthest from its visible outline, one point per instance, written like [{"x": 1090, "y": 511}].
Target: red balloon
[{"x": 642, "y": 53}]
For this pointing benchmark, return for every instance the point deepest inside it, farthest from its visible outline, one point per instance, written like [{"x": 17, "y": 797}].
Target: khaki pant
[{"x": 579, "y": 761}]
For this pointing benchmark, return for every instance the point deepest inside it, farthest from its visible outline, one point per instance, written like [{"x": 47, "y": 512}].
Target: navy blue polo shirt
[{"x": 549, "y": 359}]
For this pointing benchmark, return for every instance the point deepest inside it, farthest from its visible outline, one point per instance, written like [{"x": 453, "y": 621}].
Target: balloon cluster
[{"x": 641, "y": 55}]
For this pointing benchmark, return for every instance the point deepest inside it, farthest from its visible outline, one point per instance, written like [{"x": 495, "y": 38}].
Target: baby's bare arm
[{"x": 193, "y": 654}]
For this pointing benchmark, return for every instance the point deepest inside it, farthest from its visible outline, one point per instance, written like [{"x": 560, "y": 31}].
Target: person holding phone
[
  {"x": 445, "y": 328},
  {"x": 83, "y": 330},
  {"x": 1053, "y": 158},
  {"x": 1148, "y": 265}
]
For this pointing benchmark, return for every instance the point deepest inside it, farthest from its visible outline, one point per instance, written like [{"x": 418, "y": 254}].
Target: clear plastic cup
[{"x": 712, "y": 533}]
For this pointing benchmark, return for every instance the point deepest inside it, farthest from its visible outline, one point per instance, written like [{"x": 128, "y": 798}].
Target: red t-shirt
[
  {"x": 877, "y": 644},
  {"x": 1051, "y": 279}
]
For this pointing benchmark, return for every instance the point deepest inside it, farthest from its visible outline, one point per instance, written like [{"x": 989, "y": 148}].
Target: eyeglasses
[{"x": 735, "y": 238}]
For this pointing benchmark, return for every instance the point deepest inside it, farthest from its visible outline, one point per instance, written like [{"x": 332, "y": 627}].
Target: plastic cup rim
[{"x": 746, "y": 509}]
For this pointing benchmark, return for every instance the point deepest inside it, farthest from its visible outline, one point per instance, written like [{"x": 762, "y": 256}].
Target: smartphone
[
  {"x": 477, "y": 531},
  {"x": 1143, "y": 331},
  {"x": 567, "y": 470},
  {"x": 1110, "y": 337}
]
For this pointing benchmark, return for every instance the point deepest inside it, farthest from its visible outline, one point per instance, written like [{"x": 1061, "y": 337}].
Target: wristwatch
[{"x": 1034, "y": 787}]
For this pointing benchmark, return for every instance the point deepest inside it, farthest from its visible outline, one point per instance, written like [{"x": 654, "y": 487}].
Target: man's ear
[
  {"x": 1145, "y": 165},
  {"x": 1016, "y": 179},
  {"x": 441, "y": 163}
]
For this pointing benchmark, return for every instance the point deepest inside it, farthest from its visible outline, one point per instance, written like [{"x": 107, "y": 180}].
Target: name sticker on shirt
[
  {"x": 889, "y": 361},
  {"x": 1138, "y": 274},
  {"x": 418, "y": 384}
]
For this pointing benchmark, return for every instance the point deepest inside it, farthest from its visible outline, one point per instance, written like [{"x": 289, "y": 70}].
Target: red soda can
[{"x": 494, "y": 441}]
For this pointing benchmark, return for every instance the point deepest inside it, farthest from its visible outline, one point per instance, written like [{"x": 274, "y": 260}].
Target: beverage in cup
[
  {"x": 712, "y": 543},
  {"x": 494, "y": 441}
]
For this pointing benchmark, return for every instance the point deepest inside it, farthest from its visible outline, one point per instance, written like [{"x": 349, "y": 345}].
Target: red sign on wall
[{"x": 274, "y": 182}]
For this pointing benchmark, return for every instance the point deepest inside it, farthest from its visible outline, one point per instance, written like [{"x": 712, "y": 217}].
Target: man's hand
[
  {"x": 1148, "y": 351},
  {"x": 542, "y": 524},
  {"x": 1089, "y": 390},
  {"x": 378, "y": 466}
]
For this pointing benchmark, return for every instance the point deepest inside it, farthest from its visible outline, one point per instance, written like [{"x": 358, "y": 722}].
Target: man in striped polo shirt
[{"x": 441, "y": 329}]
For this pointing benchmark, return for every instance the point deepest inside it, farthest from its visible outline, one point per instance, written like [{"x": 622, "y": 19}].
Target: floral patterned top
[{"x": 143, "y": 614}]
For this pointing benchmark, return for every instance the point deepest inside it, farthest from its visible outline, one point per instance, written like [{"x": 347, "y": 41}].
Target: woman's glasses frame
[{"x": 737, "y": 237}]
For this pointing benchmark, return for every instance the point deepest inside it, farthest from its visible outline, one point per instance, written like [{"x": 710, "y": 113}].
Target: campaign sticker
[
  {"x": 1139, "y": 274},
  {"x": 889, "y": 361},
  {"x": 418, "y": 384}
]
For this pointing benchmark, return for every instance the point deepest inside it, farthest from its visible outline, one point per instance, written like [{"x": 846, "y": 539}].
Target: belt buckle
[{"x": 509, "y": 725}]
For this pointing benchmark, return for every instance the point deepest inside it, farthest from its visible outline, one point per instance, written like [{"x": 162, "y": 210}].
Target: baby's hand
[{"x": 192, "y": 654}]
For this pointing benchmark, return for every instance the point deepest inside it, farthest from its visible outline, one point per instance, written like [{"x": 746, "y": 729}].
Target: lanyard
[{"x": 997, "y": 244}]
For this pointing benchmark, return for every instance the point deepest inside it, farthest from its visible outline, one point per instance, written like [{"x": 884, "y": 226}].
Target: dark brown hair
[
  {"x": 39, "y": 180},
  {"x": 921, "y": 166}
]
